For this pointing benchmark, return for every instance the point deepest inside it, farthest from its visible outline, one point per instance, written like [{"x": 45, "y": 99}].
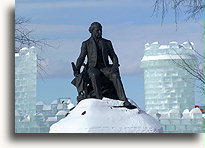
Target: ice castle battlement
[
  {"x": 173, "y": 50},
  {"x": 157, "y": 46},
  {"x": 180, "y": 122},
  {"x": 26, "y": 51}
]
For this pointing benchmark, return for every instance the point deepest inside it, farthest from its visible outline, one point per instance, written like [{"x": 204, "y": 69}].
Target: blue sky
[{"x": 127, "y": 23}]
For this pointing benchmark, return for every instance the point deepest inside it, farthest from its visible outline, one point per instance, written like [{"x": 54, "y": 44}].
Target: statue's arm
[
  {"x": 112, "y": 55},
  {"x": 81, "y": 57}
]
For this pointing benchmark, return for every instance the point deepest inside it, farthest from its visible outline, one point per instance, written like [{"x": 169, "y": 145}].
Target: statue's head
[{"x": 96, "y": 30}]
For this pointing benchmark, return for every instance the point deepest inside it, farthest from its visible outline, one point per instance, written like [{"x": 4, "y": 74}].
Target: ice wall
[
  {"x": 45, "y": 116},
  {"x": 176, "y": 122},
  {"x": 167, "y": 85}
]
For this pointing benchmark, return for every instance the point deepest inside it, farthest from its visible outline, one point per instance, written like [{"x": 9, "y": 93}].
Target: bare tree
[
  {"x": 24, "y": 37},
  {"x": 190, "y": 8}
]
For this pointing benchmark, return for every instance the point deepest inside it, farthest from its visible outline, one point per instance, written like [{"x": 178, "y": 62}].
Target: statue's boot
[{"x": 128, "y": 105}]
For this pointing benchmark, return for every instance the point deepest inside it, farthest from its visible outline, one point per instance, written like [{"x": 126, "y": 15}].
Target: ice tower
[
  {"x": 32, "y": 117},
  {"x": 25, "y": 81},
  {"x": 167, "y": 85}
]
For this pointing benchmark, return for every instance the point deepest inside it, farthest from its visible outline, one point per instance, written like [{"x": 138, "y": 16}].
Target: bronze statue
[{"x": 99, "y": 78}]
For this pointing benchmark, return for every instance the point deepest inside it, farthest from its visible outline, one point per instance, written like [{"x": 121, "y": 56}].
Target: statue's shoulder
[
  {"x": 86, "y": 41},
  {"x": 106, "y": 40}
]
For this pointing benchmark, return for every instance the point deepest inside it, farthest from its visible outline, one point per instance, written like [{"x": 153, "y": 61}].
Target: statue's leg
[
  {"x": 114, "y": 77},
  {"x": 94, "y": 75},
  {"x": 116, "y": 80}
]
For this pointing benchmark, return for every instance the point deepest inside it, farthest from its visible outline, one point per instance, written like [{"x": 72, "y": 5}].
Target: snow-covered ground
[{"x": 106, "y": 116}]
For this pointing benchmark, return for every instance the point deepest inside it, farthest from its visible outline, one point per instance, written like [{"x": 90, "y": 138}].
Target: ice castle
[
  {"x": 169, "y": 91},
  {"x": 168, "y": 85}
]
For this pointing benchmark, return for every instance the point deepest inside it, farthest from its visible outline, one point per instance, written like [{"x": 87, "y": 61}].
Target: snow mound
[{"x": 106, "y": 116}]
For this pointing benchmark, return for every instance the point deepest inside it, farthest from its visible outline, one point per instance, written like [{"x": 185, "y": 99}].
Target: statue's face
[{"x": 97, "y": 31}]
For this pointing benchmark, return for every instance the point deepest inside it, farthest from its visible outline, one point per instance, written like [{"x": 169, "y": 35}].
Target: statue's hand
[
  {"x": 114, "y": 68},
  {"x": 75, "y": 73},
  {"x": 75, "y": 70}
]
